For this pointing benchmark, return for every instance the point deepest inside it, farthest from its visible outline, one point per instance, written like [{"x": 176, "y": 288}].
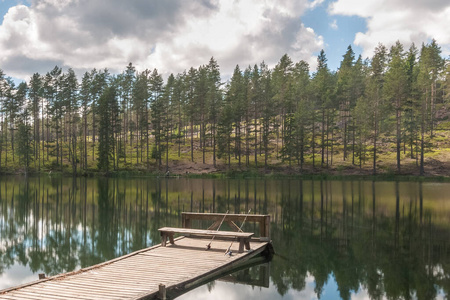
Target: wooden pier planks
[{"x": 138, "y": 275}]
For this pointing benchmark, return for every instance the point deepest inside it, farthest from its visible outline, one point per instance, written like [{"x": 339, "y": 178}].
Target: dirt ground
[{"x": 433, "y": 168}]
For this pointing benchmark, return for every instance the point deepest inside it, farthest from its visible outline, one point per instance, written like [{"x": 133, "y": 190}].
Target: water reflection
[{"x": 339, "y": 238}]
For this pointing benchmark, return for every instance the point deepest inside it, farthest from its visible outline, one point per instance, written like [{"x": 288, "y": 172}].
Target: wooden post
[
  {"x": 185, "y": 220},
  {"x": 162, "y": 292},
  {"x": 262, "y": 228},
  {"x": 267, "y": 226}
]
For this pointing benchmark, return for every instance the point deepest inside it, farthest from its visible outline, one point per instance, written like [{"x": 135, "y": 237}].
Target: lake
[{"x": 333, "y": 239}]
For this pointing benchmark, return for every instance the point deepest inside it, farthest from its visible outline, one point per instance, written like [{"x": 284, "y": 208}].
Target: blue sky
[
  {"x": 338, "y": 32},
  {"x": 174, "y": 35}
]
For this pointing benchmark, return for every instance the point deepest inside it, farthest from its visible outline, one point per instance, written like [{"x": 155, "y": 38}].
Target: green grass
[{"x": 386, "y": 161}]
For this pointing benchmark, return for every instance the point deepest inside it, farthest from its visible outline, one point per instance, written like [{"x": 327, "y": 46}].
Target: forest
[{"x": 384, "y": 114}]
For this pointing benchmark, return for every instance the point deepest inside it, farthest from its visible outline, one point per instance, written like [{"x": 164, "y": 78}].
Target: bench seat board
[{"x": 206, "y": 232}]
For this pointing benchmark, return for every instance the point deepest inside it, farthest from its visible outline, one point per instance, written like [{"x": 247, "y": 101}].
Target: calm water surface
[{"x": 333, "y": 239}]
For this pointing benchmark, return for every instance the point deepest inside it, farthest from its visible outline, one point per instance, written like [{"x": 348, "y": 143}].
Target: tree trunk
[
  {"x": 323, "y": 139},
  {"x": 214, "y": 142},
  {"x": 85, "y": 140},
  {"x": 256, "y": 140},
  {"x": 422, "y": 144},
  {"x": 192, "y": 140},
  {"x": 398, "y": 116},
  {"x": 313, "y": 142},
  {"x": 374, "y": 169},
  {"x": 353, "y": 142}
]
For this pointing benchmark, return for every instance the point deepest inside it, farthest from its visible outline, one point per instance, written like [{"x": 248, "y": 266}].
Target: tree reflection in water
[{"x": 389, "y": 239}]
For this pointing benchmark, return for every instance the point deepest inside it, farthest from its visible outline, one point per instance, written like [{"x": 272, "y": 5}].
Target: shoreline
[{"x": 207, "y": 171}]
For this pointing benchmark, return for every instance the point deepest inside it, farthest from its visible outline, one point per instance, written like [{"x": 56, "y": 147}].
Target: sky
[{"x": 174, "y": 35}]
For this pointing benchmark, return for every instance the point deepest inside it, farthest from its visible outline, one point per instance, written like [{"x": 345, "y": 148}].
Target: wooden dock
[{"x": 157, "y": 272}]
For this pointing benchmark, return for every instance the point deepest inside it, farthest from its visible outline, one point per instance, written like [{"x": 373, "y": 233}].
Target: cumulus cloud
[
  {"x": 170, "y": 35},
  {"x": 391, "y": 20}
]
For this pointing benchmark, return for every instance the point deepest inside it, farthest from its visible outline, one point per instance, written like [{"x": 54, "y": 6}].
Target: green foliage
[
  {"x": 24, "y": 149},
  {"x": 108, "y": 115}
]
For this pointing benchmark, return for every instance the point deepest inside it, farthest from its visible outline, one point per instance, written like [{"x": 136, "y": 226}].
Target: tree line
[{"x": 109, "y": 122}]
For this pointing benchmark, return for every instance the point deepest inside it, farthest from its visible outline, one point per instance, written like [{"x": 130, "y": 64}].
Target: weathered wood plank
[
  {"x": 32, "y": 295},
  {"x": 216, "y": 233},
  {"x": 73, "y": 293},
  {"x": 95, "y": 283}
]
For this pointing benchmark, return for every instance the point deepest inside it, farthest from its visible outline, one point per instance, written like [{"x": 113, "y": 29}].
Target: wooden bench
[
  {"x": 242, "y": 237},
  {"x": 188, "y": 218}
]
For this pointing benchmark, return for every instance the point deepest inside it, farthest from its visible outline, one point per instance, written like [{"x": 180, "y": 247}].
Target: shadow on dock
[{"x": 238, "y": 274}]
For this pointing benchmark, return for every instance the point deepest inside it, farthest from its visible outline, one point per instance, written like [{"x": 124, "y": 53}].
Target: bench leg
[
  {"x": 247, "y": 244},
  {"x": 241, "y": 245},
  {"x": 163, "y": 239},
  {"x": 171, "y": 238}
]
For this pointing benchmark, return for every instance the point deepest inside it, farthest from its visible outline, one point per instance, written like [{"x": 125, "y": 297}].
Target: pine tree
[
  {"x": 108, "y": 113},
  {"x": 345, "y": 96},
  {"x": 247, "y": 113},
  {"x": 255, "y": 102},
  {"x": 69, "y": 90},
  {"x": 191, "y": 104},
  {"x": 214, "y": 99},
  {"x": 396, "y": 90},
  {"x": 179, "y": 102},
  {"x": 12, "y": 108},
  {"x": 282, "y": 81},
  {"x": 201, "y": 89},
  {"x": 35, "y": 94},
  {"x": 430, "y": 66},
  {"x": 224, "y": 130},
  {"x": 167, "y": 107},
  {"x": 55, "y": 108},
  {"x": 359, "y": 75},
  {"x": 98, "y": 85},
  {"x": 2, "y": 112},
  {"x": 158, "y": 110},
  {"x": 140, "y": 103},
  {"x": 85, "y": 98},
  {"x": 323, "y": 89},
  {"x": 127, "y": 83},
  {"x": 374, "y": 92},
  {"x": 412, "y": 105},
  {"x": 23, "y": 141},
  {"x": 304, "y": 108},
  {"x": 268, "y": 112},
  {"x": 437, "y": 65},
  {"x": 236, "y": 99}
]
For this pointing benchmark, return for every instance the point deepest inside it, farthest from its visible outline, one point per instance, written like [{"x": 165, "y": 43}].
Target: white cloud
[
  {"x": 391, "y": 20},
  {"x": 15, "y": 275},
  {"x": 315, "y": 3},
  {"x": 170, "y": 35},
  {"x": 334, "y": 25},
  {"x": 232, "y": 291}
]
